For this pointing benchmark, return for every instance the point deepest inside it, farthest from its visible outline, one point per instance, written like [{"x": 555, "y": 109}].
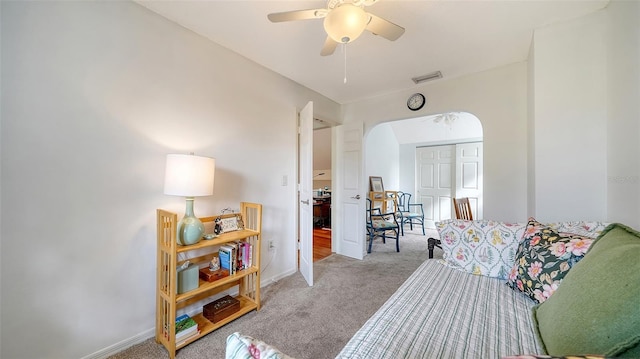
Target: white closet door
[
  {"x": 468, "y": 173},
  {"x": 434, "y": 181}
]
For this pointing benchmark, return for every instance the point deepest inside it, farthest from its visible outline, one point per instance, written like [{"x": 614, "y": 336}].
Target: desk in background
[{"x": 322, "y": 211}]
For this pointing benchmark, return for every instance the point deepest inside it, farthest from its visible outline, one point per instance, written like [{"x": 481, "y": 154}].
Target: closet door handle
[
  {"x": 356, "y": 196},
  {"x": 306, "y": 201}
]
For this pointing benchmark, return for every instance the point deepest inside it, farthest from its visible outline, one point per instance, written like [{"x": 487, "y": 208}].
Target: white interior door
[
  {"x": 305, "y": 195},
  {"x": 469, "y": 175},
  {"x": 434, "y": 182},
  {"x": 349, "y": 204}
]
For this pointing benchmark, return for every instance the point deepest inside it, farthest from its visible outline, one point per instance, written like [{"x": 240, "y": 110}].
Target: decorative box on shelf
[
  {"x": 221, "y": 308},
  {"x": 208, "y": 275}
]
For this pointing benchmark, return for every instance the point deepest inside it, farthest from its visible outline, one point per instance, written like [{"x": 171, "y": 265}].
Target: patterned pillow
[
  {"x": 480, "y": 247},
  {"x": 585, "y": 229},
  {"x": 245, "y": 347},
  {"x": 544, "y": 257}
]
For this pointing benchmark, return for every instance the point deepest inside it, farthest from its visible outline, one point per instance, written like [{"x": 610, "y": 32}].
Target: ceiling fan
[{"x": 344, "y": 21}]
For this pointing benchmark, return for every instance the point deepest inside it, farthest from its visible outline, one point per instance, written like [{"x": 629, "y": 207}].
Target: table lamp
[{"x": 189, "y": 176}]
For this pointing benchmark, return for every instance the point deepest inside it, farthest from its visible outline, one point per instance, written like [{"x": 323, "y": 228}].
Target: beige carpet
[{"x": 314, "y": 322}]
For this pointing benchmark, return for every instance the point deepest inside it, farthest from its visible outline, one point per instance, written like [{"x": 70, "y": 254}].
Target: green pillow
[{"x": 596, "y": 309}]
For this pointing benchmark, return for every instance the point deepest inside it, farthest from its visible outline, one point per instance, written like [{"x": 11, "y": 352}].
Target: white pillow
[{"x": 480, "y": 247}]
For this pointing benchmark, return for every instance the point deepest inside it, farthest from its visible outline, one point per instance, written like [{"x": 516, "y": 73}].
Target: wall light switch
[{"x": 285, "y": 180}]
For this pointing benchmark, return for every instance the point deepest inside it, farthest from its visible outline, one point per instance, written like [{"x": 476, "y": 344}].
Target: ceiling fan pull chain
[{"x": 344, "y": 49}]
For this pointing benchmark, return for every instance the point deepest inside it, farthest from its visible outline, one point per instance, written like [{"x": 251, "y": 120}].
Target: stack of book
[
  {"x": 186, "y": 328},
  {"x": 235, "y": 256}
]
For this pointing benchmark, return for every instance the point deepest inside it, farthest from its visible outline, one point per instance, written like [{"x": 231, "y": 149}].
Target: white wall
[
  {"x": 381, "y": 160},
  {"x": 623, "y": 124},
  {"x": 586, "y": 117},
  {"x": 498, "y": 98},
  {"x": 570, "y": 95},
  {"x": 94, "y": 95}
]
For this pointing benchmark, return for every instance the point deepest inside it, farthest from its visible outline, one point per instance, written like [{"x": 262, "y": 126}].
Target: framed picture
[
  {"x": 230, "y": 224},
  {"x": 375, "y": 184}
]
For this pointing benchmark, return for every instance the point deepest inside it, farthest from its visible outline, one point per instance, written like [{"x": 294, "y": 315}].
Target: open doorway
[
  {"x": 392, "y": 148},
  {"x": 322, "y": 188}
]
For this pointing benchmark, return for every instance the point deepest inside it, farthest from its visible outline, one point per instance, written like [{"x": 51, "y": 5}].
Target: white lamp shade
[
  {"x": 189, "y": 175},
  {"x": 345, "y": 23}
]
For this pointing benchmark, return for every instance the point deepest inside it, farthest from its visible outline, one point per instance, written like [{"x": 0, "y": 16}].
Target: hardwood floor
[{"x": 321, "y": 243}]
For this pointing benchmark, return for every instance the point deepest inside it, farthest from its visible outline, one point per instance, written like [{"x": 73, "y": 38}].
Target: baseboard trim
[
  {"x": 122, "y": 345},
  {"x": 150, "y": 333}
]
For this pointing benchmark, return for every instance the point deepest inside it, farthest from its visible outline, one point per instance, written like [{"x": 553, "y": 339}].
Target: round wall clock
[{"x": 416, "y": 101}]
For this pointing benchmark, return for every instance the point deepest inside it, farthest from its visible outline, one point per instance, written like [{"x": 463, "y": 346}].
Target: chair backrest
[
  {"x": 403, "y": 201},
  {"x": 463, "y": 208},
  {"x": 385, "y": 202},
  {"x": 369, "y": 209}
]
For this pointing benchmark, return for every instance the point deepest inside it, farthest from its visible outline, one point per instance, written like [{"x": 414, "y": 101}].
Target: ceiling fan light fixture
[{"x": 345, "y": 23}]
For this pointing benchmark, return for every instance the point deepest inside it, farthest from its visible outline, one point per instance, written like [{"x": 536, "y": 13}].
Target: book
[
  {"x": 247, "y": 255},
  {"x": 185, "y": 326},
  {"x": 233, "y": 260},
  {"x": 224, "y": 254},
  {"x": 183, "y": 340},
  {"x": 244, "y": 255},
  {"x": 187, "y": 333},
  {"x": 240, "y": 255}
]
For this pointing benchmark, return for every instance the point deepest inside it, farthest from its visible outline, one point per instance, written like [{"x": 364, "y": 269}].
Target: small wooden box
[
  {"x": 210, "y": 276},
  {"x": 221, "y": 308}
]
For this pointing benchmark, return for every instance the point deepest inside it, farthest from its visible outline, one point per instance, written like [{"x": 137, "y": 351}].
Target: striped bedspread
[{"x": 441, "y": 312}]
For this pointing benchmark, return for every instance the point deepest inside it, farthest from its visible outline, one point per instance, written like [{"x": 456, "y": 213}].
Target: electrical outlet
[{"x": 272, "y": 245}]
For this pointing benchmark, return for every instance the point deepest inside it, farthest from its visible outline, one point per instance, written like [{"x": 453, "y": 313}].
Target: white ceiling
[{"x": 454, "y": 37}]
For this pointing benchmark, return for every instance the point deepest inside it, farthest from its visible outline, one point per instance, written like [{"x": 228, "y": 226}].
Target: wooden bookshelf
[{"x": 247, "y": 281}]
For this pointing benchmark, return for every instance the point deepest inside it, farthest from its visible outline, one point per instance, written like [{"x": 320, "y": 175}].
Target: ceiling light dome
[{"x": 345, "y": 23}]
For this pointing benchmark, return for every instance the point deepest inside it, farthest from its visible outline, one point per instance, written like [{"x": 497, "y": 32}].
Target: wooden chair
[
  {"x": 379, "y": 224},
  {"x": 463, "y": 208},
  {"x": 411, "y": 213},
  {"x": 387, "y": 201},
  {"x": 463, "y": 211}
]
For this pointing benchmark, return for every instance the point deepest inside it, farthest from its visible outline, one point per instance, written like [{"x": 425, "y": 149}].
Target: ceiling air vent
[{"x": 427, "y": 77}]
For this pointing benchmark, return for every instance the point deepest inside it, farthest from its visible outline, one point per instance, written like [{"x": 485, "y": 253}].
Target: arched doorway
[{"x": 396, "y": 151}]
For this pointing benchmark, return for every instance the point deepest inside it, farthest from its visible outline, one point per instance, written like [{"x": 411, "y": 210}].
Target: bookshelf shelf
[{"x": 247, "y": 281}]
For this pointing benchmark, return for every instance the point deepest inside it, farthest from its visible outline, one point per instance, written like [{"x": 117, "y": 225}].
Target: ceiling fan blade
[
  {"x": 384, "y": 28},
  {"x": 329, "y": 47},
  {"x": 297, "y": 15}
]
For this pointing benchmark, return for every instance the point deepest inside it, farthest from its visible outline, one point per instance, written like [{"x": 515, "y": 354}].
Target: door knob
[
  {"x": 356, "y": 196},
  {"x": 306, "y": 201}
]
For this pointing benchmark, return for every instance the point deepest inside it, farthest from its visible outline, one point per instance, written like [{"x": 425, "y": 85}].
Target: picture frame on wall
[{"x": 375, "y": 184}]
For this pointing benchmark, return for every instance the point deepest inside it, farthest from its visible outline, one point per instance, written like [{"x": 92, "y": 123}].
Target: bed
[{"x": 438, "y": 306}]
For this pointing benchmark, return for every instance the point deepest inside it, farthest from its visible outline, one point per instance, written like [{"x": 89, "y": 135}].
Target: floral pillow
[
  {"x": 583, "y": 228},
  {"x": 480, "y": 247},
  {"x": 245, "y": 347},
  {"x": 543, "y": 258}
]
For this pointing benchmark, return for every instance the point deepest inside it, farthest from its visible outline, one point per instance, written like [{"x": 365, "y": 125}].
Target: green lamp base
[{"x": 190, "y": 229}]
